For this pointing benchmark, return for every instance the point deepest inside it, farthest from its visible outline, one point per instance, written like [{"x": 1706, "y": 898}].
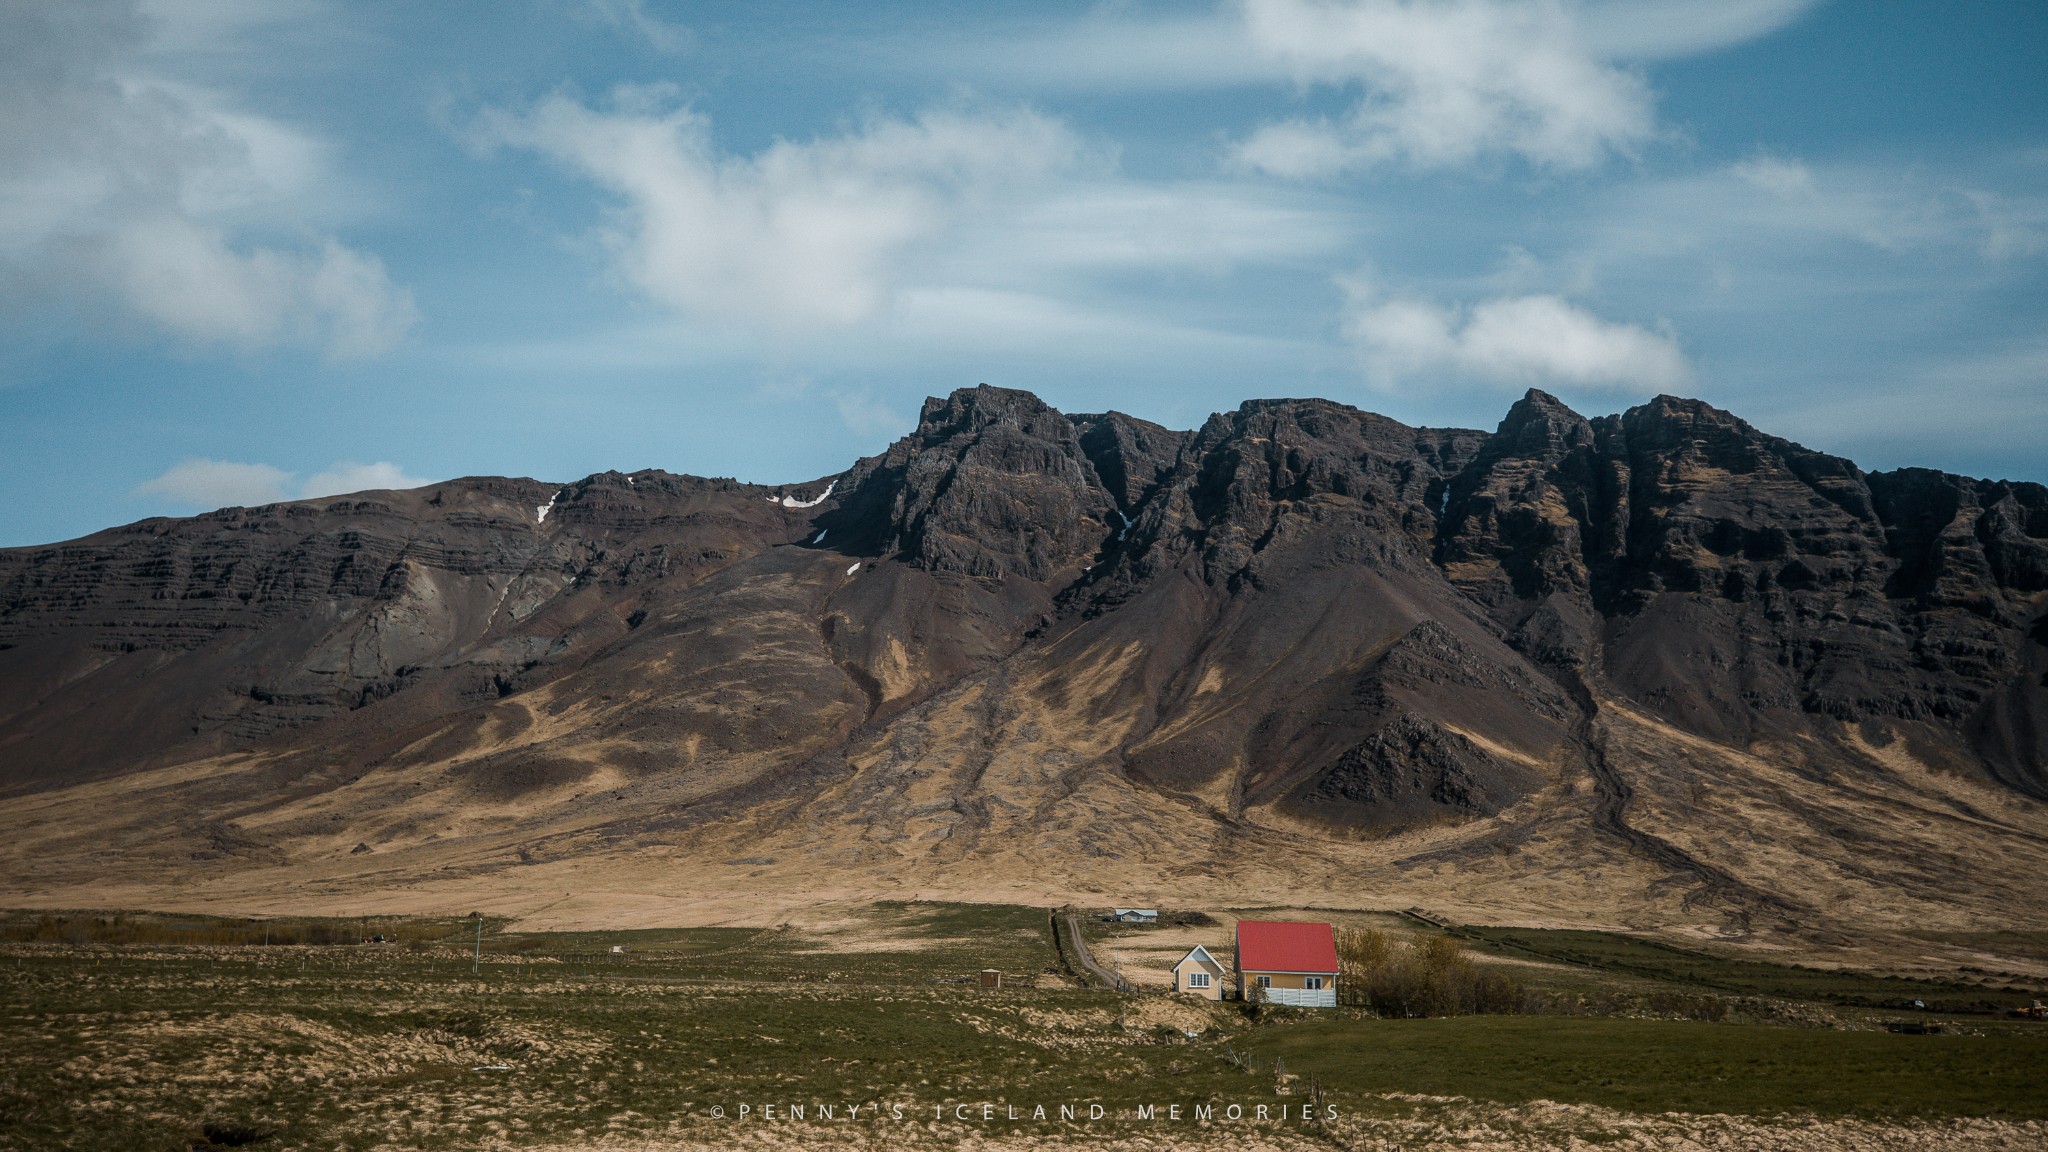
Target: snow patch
[
  {"x": 500, "y": 603},
  {"x": 540, "y": 514},
  {"x": 820, "y": 537},
  {"x": 793, "y": 502},
  {"x": 1126, "y": 529},
  {"x": 852, "y": 570}
]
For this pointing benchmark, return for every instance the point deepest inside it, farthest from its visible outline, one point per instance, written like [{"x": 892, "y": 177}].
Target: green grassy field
[
  {"x": 1609, "y": 952},
  {"x": 555, "y": 1038},
  {"x": 1679, "y": 1065}
]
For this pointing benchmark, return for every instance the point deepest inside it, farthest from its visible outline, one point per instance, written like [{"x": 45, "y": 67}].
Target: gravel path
[{"x": 1087, "y": 961}]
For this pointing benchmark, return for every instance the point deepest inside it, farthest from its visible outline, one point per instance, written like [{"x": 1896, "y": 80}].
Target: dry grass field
[{"x": 866, "y": 1027}]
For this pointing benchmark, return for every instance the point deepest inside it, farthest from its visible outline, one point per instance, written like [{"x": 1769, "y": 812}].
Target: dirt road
[{"x": 1087, "y": 961}]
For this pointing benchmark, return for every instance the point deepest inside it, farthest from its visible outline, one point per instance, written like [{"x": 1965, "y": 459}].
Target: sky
[{"x": 257, "y": 250}]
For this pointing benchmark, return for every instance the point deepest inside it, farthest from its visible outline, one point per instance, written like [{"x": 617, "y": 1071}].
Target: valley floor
[{"x": 868, "y": 1027}]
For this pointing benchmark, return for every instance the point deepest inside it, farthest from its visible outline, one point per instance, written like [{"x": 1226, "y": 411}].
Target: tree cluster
[{"x": 1429, "y": 977}]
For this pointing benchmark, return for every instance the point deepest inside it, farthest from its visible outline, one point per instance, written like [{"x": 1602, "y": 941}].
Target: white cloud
[
  {"x": 120, "y": 185},
  {"x": 347, "y": 476},
  {"x": 1113, "y": 225},
  {"x": 185, "y": 277},
  {"x": 203, "y": 483},
  {"x": 1111, "y": 49},
  {"x": 1785, "y": 215},
  {"x": 212, "y": 27},
  {"x": 1440, "y": 83},
  {"x": 1670, "y": 29},
  {"x": 1780, "y": 177},
  {"x": 1298, "y": 150},
  {"x": 218, "y": 484},
  {"x": 2013, "y": 228},
  {"x": 1510, "y": 341},
  {"x": 632, "y": 16},
  {"x": 865, "y": 239},
  {"x": 800, "y": 236},
  {"x": 1446, "y": 82}
]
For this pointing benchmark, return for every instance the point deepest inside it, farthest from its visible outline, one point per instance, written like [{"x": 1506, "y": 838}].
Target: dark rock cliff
[{"x": 1739, "y": 584}]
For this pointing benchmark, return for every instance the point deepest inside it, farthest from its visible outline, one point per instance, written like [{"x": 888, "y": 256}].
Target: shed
[
  {"x": 1290, "y": 962},
  {"x": 1199, "y": 974},
  {"x": 991, "y": 978}
]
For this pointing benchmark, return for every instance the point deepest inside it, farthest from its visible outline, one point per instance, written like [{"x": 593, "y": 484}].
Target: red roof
[{"x": 1285, "y": 946}]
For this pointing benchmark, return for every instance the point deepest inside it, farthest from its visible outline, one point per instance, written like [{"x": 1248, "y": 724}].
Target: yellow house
[{"x": 1198, "y": 974}]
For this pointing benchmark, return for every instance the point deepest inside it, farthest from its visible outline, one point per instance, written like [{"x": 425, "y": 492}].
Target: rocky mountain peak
[
  {"x": 1540, "y": 426},
  {"x": 993, "y": 483},
  {"x": 965, "y": 411},
  {"x": 1131, "y": 456},
  {"x": 1679, "y": 433}
]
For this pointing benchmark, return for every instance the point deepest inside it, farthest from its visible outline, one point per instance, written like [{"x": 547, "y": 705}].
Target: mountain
[{"x": 1658, "y": 670}]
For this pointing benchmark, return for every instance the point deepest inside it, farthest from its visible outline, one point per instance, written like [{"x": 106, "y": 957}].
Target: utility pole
[{"x": 475, "y": 964}]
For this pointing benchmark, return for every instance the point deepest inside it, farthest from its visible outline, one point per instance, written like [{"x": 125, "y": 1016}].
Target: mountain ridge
[{"x": 1300, "y": 647}]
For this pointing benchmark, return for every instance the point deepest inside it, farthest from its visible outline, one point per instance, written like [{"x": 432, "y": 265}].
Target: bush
[{"x": 1431, "y": 978}]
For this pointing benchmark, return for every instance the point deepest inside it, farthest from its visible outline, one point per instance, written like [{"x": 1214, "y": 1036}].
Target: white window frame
[
  {"x": 1312, "y": 983},
  {"x": 1198, "y": 979}
]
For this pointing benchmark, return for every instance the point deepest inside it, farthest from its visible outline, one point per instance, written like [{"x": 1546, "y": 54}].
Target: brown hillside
[{"x": 1658, "y": 670}]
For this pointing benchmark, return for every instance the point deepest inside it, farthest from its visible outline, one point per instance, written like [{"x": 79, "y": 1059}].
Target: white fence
[{"x": 1302, "y": 997}]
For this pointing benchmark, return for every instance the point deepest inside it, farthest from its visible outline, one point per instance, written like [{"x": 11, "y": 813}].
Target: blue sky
[{"x": 266, "y": 249}]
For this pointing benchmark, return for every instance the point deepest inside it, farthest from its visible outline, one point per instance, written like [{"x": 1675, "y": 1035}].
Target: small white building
[{"x": 1199, "y": 974}]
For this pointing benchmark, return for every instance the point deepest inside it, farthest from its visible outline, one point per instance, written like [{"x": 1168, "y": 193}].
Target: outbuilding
[
  {"x": 1199, "y": 974},
  {"x": 1288, "y": 962},
  {"x": 1134, "y": 915}
]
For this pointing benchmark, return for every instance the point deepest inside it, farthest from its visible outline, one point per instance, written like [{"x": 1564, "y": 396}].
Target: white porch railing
[{"x": 1302, "y": 997}]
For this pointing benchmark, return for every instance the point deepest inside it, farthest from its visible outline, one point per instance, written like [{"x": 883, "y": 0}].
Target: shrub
[{"x": 1431, "y": 978}]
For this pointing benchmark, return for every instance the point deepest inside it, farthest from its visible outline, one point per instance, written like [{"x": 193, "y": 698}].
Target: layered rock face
[
  {"x": 1042, "y": 638},
  {"x": 1741, "y": 586},
  {"x": 172, "y": 639}
]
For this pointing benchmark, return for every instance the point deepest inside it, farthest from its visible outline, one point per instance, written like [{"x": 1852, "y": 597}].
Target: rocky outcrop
[
  {"x": 993, "y": 484},
  {"x": 1132, "y": 457},
  {"x": 1411, "y": 772},
  {"x": 1738, "y": 584}
]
